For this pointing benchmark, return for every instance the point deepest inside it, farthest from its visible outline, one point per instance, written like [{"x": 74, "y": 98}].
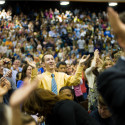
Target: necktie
[{"x": 54, "y": 85}]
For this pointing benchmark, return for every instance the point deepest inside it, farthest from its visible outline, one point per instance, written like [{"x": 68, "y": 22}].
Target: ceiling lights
[
  {"x": 64, "y": 2},
  {"x": 113, "y": 4},
  {"x": 2, "y": 2}
]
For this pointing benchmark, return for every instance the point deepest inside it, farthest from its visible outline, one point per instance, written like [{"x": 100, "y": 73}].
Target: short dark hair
[
  {"x": 72, "y": 92},
  {"x": 46, "y": 53},
  {"x": 67, "y": 87},
  {"x": 60, "y": 63}
]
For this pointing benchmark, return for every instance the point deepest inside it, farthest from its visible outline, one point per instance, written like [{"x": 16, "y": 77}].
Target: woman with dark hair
[
  {"x": 26, "y": 73},
  {"x": 57, "y": 109}
]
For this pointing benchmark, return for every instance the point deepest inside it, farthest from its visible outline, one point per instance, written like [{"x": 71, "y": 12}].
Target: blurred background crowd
[{"x": 68, "y": 35}]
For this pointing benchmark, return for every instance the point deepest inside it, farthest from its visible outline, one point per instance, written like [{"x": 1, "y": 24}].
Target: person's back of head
[{"x": 41, "y": 101}]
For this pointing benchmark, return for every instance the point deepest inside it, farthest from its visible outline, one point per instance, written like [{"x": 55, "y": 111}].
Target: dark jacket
[
  {"x": 102, "y": 121},
  {"x": 111, "y": 85},
  {"x": 68, "y": 112}
]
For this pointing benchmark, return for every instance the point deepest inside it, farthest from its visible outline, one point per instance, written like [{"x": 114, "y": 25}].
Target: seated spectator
[
  {"x": 102, "y": 114},
  {"x": 7, "y": 66},
  {"x": 6, "y": 80},
  {"x": 16, "y": 66},
  {"x": 26, "y": 73},
  {"x": 61, "y": 67},
  {"x": 66, "y": 90}
]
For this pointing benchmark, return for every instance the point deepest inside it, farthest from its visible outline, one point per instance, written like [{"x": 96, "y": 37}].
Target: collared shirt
[
  {"x": 62, "y": 79},
  {"x": 20, "y": 69}
]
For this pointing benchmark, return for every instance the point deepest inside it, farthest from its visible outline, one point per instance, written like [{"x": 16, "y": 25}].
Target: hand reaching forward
[
  {"x": 21, "y": 94},
  {"x": 3, "y": 90},
  {"x": 4, "y": 86},
  {"x": 84, "y": 60},
  {"x": 118, "y": 26}
]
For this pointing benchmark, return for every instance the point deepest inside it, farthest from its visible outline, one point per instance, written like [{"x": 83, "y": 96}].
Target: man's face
[
  {"x": 17, "y": 63},
  {"x": 49, "y": 62},
  {"x": 104, "y": 111},
  {"x": 69, "y": 68},
  {"x": 68, "y": 93},
  {"x": 62, "y": 68}
]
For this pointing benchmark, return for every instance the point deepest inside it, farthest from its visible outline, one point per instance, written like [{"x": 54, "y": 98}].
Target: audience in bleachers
[{"x": 52, "y": 46}]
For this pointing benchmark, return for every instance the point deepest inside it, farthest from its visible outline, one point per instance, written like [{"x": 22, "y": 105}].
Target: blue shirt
[
  {"x": 19, "y": 83},
  {"x": 41, "y": 70}
]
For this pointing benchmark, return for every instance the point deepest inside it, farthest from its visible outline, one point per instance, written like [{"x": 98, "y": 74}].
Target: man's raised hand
[{"x": 84, "y": 60}]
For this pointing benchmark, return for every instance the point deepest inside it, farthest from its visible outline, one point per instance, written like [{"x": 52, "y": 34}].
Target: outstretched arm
[
  {"x": 18, "y": 97},
  {"x": 34, "y": 69},
  {"x": 5, "y": 86},
  {"x": 75, "y": 79},
  {"x": 118, "y": 26}
]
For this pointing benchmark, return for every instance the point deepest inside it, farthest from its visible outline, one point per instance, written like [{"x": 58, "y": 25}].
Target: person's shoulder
[{"x": 64, "y": 104}]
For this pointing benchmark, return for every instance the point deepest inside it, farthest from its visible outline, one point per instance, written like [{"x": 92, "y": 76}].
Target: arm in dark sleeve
[{"x": 95, "y": 72}]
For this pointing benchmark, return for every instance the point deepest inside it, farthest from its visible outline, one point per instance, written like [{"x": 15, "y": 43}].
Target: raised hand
[
  {"x": 117, "y": 25},
  {"x": 8, "y": 74},
  {"x": 84, "y": 60},
  {"x": 3, "y": 90},
  {"x": 96, "y": 53},
  {"x": 32, "y": 64},
  {"x": 21, "y": 94},
  {"x": 4, "y": 86}
]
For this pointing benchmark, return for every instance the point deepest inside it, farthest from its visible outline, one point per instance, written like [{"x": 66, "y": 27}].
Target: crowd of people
[{"x": 49, "y": 65}]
